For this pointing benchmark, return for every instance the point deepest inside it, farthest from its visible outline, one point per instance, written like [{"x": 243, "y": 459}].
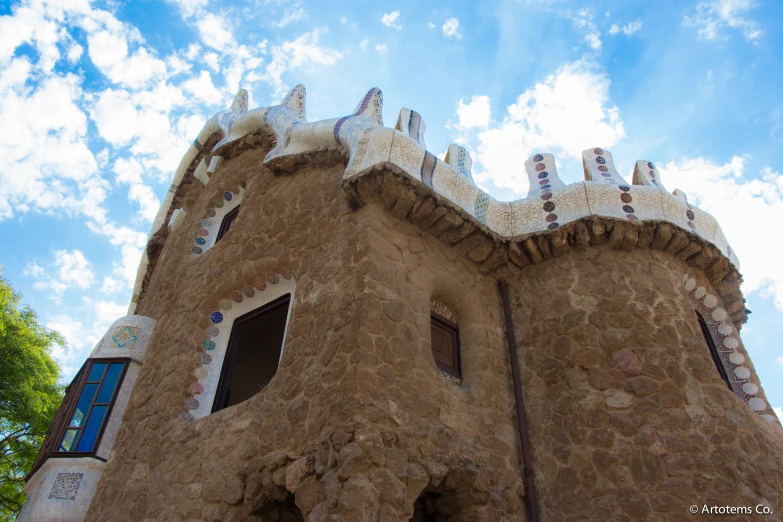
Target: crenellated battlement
[{"x": 368, "y": 146}]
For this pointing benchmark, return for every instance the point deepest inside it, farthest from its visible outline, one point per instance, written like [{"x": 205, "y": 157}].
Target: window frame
[
  {"x": 714, "y": 353},
  {"x": 227, "y": 222},
  {"x": 443, "y": 322},
  {"x": 65, "y": 412},
  {"x": 232, "y": 346}
]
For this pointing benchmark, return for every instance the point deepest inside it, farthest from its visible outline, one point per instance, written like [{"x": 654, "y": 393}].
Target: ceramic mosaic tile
[
  {"x": 443, "y": 311},
  {"x": 459, "y": 158},
  {"x": 407, "y": 155},
  {"x": 646, "y": 173},
  {"x": 377, "y": 150},
  {"x": 445, "y": 178},
  {"x": 412, "y": 125},
  {"x": 66, "y": 486},
  {"x": 542, "y": 173},
  {"x": 599, "y": 166},
  {"x": 464, "y": 194},
  {"x": 128, "y": 336}
]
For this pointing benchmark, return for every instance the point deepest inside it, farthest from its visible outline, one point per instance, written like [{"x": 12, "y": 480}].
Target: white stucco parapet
[{"x": 368, "y": 145}]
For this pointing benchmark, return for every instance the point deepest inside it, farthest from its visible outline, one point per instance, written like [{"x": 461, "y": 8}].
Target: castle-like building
[{"x": 331, "y": 323}]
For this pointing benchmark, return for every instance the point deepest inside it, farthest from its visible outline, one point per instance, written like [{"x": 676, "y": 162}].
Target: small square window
[{"x": 445, "y": 345}]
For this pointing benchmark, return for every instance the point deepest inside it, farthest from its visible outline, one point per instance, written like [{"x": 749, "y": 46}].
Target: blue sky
[{"x": 99, "y": 101}]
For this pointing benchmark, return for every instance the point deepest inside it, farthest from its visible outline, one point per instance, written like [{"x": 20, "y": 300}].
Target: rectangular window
[
  {"x": 225, "y": 225},
  {"x": 253, "y": 353},
  {"x": 713, "y": 350},
  {"x": 86, "y": 422},
  {"x": 445, "y": 345}
]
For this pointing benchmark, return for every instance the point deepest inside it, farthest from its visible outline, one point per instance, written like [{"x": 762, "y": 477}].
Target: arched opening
[{"x": 280, "y": 511}]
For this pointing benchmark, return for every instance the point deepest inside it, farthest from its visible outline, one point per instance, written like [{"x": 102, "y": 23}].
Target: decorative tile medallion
[
  {"x": 443, "y": 311},
  {"x": 482, "y": 203},
  {"x": 216, "y": 317},
  {"x": 125, "y": 336},
  {"x": 196, "y": 388},
  {"x": 66, "y": 486},
  {"x": 273, "y": 278},
  {"x": 205, "y": 359},
  {"x": 248, "y": 291},
  {"x": 208, "y": 345},
  {"x": 237, "y": 297},
  {"x": 191, "y": 403}
]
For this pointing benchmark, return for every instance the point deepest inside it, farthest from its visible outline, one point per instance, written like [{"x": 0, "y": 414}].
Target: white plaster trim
[
  {"x": 40, "y": 508},
  {"x": 137, "y": 350}
]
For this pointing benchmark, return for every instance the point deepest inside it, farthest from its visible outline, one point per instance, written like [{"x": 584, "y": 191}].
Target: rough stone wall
[
  {"x": 358, "y": 423},
  {"x": 629, "y": 417}
]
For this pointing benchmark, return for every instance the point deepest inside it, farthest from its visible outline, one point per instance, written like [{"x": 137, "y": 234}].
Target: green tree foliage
[{"x": 29, "y": 394}]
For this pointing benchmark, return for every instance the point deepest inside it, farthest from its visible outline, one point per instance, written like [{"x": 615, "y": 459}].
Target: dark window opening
[
  {"x": 225, "y": 225},
  {"x": 253, "y": 353},
  {"x": 713, "y": 350},
  {"x": 445, "y": 345},
  {"x": 79, "y": 423}
]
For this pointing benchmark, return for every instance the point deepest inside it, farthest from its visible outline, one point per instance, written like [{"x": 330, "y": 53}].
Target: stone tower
[{"x": 318, "y": 333}]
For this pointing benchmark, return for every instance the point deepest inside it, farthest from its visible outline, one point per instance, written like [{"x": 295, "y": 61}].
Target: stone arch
[
  {"x": 463, "y": 494},
  {"x": 726, "y": 339},
  {"x": 210, "y": 222},
  {"x": 235, "y": 304}
]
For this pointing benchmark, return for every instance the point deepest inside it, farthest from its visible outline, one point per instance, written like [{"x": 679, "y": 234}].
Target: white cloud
[
  {"x": 779, "y": 413},
  {"x": 68, "y": 270},
  {"x": 190, "y": 7},
  {"x": 430, "y": 25},
  {"x": 299, "y": 53},
  {"x": 109, "y": 53},
  {"x": 583, "y": 19},
  {"x": 75, "y": 52},
  {"x": 780, "y": 360},
  {"x": 627, "y": 29},
  {"x": 731, "y": 197},
  {"x": 112, "y": 286},
  {"x": 81, "y": 337},
  {"x": 567, "y": 112},
  {"x": 451, "y": 28},
  {"x": 475, "y": 113},
  {"x": 203, "y": 89},
  {"x": 147, "y": 200},
  {"x": 291, "y": 15},
  {"x": 382, "y": 48},
  {"x": 390, "y": 20},
  {"x": 713, "y": 17},
  {"x": 214, "y": 31}
]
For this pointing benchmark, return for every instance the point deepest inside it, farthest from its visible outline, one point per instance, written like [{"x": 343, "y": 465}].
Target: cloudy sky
[{"x": 99, "y": 101}]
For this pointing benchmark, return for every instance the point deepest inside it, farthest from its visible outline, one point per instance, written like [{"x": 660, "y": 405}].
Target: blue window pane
[
  {"x": 68, "y": 440},
  {"x": 96, "y": 372},
  {"x": 109, "y": 383},
  {"x": 90, "y": 431},
  {"x": 83, "y": 406}
]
